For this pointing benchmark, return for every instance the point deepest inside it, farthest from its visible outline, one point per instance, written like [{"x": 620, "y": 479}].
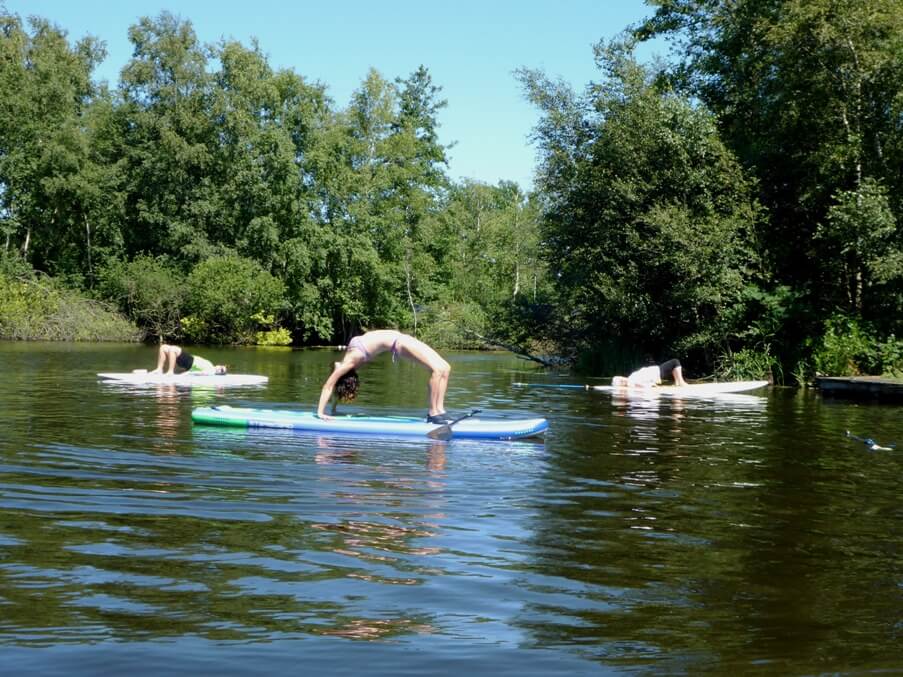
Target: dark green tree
[
  {"x": 647, "y": 218},
  {"x": 419, "y": 180},
  {"x": 859, "y": 239},
  {"x": 809, "y": 94},
  {"x": 384, "y": 173},
  {"x": 266, "y": 123},
  {"x": 168, "y": 137},
  {"x": 50, "y": 181}
]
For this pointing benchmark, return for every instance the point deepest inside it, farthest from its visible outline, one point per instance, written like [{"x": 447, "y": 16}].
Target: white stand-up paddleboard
[
  {"x": 141, "y": 377},
  {"x": 690, "y": 390}
]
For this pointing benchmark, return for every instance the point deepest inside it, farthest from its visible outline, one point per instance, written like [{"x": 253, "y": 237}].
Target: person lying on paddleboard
[
  {"x": 648, "y": 377},
  {"x": 344, "y": 382},
  {"x": 176, "y": 358}
]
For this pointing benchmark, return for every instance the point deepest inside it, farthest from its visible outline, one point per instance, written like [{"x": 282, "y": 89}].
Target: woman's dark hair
[{"x": 347, "y": 385}]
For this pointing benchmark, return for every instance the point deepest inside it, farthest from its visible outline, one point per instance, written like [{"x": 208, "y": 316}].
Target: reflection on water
[{"x": 644, "y": 534}]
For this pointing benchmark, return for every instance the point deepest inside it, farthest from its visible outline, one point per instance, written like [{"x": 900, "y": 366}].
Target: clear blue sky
[{"x": 470, "y": 47}]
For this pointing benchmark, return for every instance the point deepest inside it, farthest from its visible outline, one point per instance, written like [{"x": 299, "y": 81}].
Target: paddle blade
[{"x": 444, "y": 432}]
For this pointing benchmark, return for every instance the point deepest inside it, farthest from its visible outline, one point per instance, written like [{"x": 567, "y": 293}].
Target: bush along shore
[{"x": 40, "y": 309}]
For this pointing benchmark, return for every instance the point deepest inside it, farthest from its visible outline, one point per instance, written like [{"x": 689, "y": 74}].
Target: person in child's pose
[
  {"x": 174, "y": 357},
  {"x": 648, "y": 377}
]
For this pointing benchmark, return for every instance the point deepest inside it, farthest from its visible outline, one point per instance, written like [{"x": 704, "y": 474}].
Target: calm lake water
[{"x": 745, "y": 535}]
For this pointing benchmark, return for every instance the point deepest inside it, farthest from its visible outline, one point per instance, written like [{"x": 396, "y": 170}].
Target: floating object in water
[{"x": 870, "y": 443}]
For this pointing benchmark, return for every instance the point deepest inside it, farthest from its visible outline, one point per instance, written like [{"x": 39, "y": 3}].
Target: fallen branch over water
[{"x": 553, "y": 361}]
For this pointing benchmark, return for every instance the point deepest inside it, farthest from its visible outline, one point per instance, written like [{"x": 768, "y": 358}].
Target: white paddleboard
[
  {"x": 690, "y": 390},
  {"x": 141, "y": 377}
]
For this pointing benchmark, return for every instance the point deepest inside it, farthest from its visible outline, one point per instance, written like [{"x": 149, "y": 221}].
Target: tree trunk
[
  {"x": 88, "y": 240},
  {"x": 516, "y": 259},
  {"x": 407, "y": 274}
]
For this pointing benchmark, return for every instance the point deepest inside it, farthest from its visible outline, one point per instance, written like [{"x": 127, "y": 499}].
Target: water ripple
[{"x": 641, "y": 536}]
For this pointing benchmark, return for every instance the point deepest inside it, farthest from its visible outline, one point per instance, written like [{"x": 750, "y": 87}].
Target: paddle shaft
[{"x": 552, "y": 385}]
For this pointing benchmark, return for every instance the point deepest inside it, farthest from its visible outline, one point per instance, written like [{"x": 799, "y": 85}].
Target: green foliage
[
  {"x": 809, "y": 95},
  {"x": 205, "y": 151},
  {"x": 270, "y": 334},
  {"x": 748, "y": 364},
  {"x": 486, "y": 248},
  {"x": 609, "y": 356},
  {"x": 890, "y": 356},
  {"x": 859, "y": 244},
  {"x": 50, "y": 180},
  {"x": 647, "y": 217},
  {"x": 457, "y": 325},
  {"x": 375, "y": 269},
  {"x": 763, "y": 328},
  {"x": 718, "y": 208},
  {"x": 848, "y": 348},
  {"x": 528, "y": 321},
  {"x": 39, "y": 309},
  {"x": 151, "y": 291},
  {"x": 224, "y": 295},
  {"x": 273, "y": 337},
  {"x": 167, "y": 140},
  {"x": 844, "y": 349},
  {"x": 194, "y": 328},
  {"x": 14, "y": 266},
  {"x": 767, "y": 314}
]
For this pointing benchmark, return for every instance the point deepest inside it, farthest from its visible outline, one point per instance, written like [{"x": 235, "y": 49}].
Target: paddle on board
[{"x": 445, "y": 432}]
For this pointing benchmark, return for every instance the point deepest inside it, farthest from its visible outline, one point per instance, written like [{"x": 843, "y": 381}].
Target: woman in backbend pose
[
  {"x": 652, "y": 376},
  {"x": 175, "y": 357},
  {"x": 361, "y": 349}
]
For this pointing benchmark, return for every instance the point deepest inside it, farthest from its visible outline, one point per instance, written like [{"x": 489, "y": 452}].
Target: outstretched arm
[{"x": 340, "y": 370}]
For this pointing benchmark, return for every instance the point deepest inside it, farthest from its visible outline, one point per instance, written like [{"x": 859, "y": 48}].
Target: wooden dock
[{"x": 861, "y": 387}]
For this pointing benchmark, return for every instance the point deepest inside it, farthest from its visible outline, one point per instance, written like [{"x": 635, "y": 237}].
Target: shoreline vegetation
[
  {"x": 40, "y": 309},
  {"x": 737, "y": 205}
]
